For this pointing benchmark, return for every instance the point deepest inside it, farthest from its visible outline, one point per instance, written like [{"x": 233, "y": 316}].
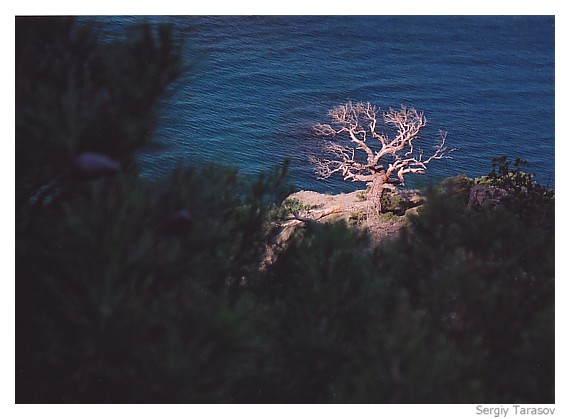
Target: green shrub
[
  {"x": 388, "y": 217},
  {"x": 76, "y": 94},
  {"x": 356, "y": 219},
  {"x": 362, "y": 196},
  {"x": 321, "y": 291},
  {"x": 530, "y": 202},
  {"x": 458, "y": 186},
  {"x": 289, "y": 206},
  {"x": 484, "y": 282},
  {"x": 126, "y": 289},
  {"x": 135, "y": 283},
  {"x": 391, "y": 202}
]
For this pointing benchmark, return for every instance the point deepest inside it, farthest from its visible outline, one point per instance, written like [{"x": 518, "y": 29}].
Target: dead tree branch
[{"x": 360, "y": 150}]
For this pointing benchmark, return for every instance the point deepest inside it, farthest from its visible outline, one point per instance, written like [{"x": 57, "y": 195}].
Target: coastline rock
[{"x": 353, "y": 209}]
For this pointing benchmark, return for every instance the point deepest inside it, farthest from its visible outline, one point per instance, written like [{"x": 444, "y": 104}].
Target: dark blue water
[{"x": 258, "y": 84}]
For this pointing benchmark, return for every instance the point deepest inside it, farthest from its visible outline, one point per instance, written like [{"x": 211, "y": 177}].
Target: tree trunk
[{"x": 375, "y": 195}]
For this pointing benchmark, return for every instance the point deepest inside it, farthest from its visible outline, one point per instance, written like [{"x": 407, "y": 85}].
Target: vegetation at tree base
[
  {"x": 289, "y": 206},
  {"x": 135, "y": 291}
]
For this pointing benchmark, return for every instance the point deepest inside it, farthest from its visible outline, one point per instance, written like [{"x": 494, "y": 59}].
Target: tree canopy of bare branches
[{"x": 361, "y": 149}]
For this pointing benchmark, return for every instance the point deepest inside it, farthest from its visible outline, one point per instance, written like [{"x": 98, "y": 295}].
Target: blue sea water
[{"x": 256, "y": 85}]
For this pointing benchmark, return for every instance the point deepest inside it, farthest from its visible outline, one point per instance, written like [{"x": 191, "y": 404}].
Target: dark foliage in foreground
[{"x": 136, "y": 291}]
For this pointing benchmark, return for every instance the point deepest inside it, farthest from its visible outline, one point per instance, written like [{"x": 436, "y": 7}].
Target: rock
[{"x": 352, "y": 208}]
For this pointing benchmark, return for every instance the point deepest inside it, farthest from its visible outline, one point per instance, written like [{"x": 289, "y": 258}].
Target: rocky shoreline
[{"x": 353, "y": 208}]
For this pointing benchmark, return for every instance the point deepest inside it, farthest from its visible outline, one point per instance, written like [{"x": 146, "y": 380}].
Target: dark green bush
[
  {"x": 125, "y": 288},
  {"x": 484, "y": 280},
  {"x": 529, "y": 201},
  {"x": 458, "y": 186},
  {"x": 75, "y": 94},
  {"x": 132, "y": 290}
]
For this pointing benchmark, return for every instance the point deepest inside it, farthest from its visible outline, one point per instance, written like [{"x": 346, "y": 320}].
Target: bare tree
[{"x": 361, "y": 151}]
